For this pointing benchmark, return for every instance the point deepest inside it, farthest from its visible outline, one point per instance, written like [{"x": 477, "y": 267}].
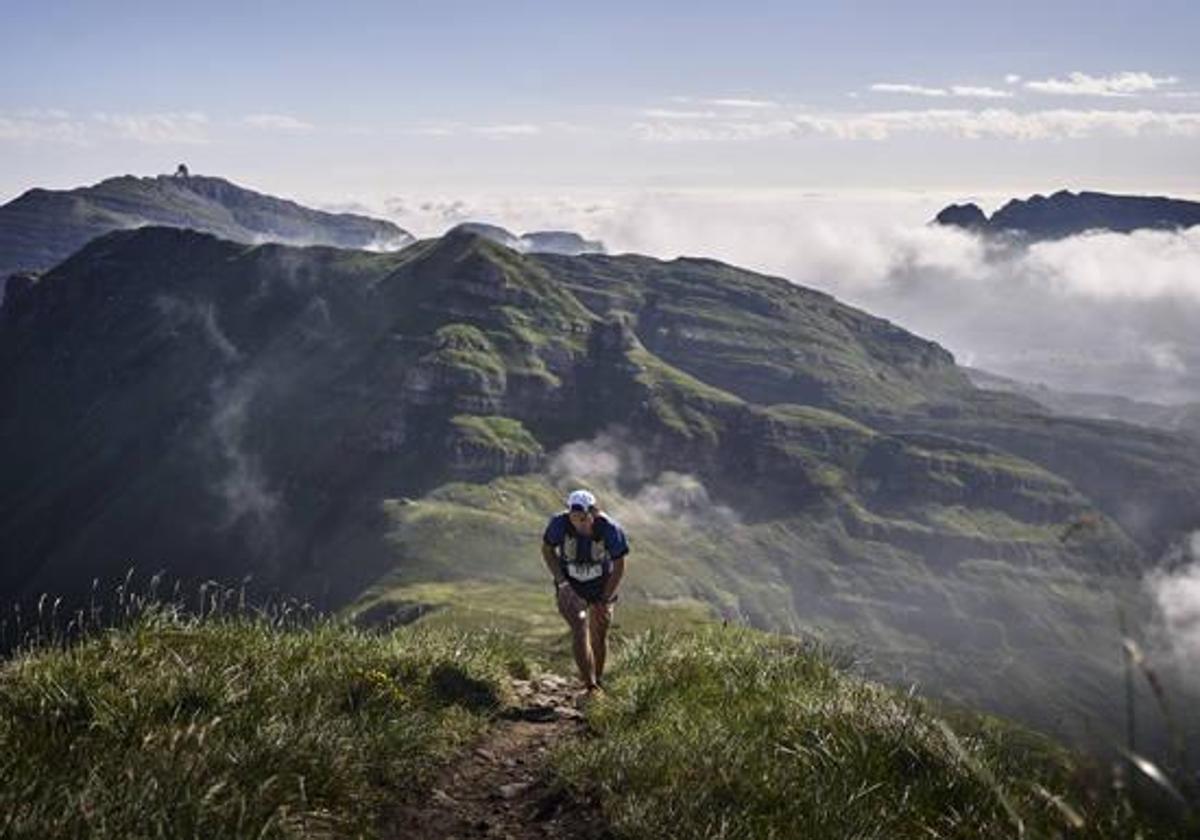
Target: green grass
[
  {"x": 527, "y": 613},
  {"x": 496, "y": 432},
  {"x": 729, "y": 733},
  {"x": 681, "y": 402},
  {"x": 234, "y": 728}
]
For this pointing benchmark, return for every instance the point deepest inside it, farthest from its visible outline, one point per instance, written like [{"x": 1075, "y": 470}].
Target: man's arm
[
  {"x": 614, "y": 578},
  {"x": 550, "y": 556}
]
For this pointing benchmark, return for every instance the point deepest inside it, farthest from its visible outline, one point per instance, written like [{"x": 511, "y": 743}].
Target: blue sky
[{"x": 375, "y": 99}]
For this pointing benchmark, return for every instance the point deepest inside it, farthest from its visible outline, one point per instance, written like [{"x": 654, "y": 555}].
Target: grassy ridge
[
  {"x": 735, "y": 734},
  {"x": 235, "y": 728},
  {"x": 229, "y": 727}
]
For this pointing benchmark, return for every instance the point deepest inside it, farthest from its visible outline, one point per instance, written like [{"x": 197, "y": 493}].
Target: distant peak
[
  {"x": 495, "y": 233},
  {"x": 967, "y": 216},
  {"x": 1066, "y": 213},
  {"x": 535, "y": 242}
]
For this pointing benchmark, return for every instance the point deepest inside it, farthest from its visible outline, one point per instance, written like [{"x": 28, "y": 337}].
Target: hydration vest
[{"x": 580, "y": 563}]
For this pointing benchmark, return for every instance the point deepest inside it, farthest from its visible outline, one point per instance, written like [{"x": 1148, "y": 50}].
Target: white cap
[{"x": 582, "y": 499}]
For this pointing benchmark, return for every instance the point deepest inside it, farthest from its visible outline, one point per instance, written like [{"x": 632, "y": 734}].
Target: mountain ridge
[
  {"x": 1065, "y": 213},
  {"x": 41, "y": 227}
]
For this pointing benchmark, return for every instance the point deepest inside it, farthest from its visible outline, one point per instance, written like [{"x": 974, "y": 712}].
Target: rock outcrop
[{"x": 1066, "y": 213}]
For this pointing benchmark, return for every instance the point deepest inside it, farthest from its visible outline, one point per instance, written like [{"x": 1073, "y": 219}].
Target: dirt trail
[{"x": 502, "y": 789}]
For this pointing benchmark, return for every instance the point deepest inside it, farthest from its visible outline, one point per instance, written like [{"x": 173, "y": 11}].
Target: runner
[{"x": 585, "y": 551}]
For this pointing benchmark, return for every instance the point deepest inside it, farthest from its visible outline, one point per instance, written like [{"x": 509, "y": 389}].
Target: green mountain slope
[{"x": 329, "y": 421}]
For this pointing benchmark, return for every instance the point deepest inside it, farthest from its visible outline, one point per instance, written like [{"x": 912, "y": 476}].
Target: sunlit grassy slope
[
  {"x": 733, "y": 734},
  {"x": 228, "y": 727},
  {"x": 236, "y": 728}
]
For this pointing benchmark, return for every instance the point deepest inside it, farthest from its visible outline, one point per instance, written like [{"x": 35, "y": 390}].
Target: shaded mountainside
[
  {"x": 1066, "y": 213},
  {"x": 42, "y": 227},
  {"x": 325, "y": 420}
]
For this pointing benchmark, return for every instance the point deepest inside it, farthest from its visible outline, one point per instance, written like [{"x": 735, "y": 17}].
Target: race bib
[{"x": 585, "y": 571}]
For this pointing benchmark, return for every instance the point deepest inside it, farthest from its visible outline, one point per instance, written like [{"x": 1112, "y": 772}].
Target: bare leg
[
  {"x": 573, "y": 609},
  {"x": 599, "y": 617}
]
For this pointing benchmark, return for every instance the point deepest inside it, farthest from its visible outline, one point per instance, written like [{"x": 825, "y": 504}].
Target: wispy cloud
[
  {"x": 507, "y": 130},
  {"x": 980, "y": 92},
  {"x": 680, "y": 131},
  {"x": 432, "y": 130},
  {"x": 173, "y": 127},
  {"x": 1118, "y": 84},
  {"x": 43, "y": 126},
  {"x": 277, "y": 122},
  {"x": 914, "y": 90},
  {"x": 1058, "y": 124},
  {"x": 1011, "y": 79},
  {"x": 974, "y": 91},
  {"x": 743, "y": 103},
  {"x": 676, "y": 114}
]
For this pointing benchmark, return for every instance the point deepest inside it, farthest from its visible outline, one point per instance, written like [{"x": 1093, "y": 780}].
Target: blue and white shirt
[{"x": 584, "y": 557}]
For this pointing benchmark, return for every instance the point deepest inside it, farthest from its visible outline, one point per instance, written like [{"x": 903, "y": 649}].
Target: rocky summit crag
[
  {"x": 42, "y": 227},
  {"x": 1066, "y": 214},
  {"x": 326, "y": 420}
]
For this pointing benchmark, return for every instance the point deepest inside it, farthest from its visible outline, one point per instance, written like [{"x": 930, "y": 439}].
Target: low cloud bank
[
  {"x": 1175, "y": 590},
  {"x": 608, "y": 464}
]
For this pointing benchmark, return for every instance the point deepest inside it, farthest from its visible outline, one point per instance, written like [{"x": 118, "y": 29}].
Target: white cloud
[
  {"x": 52, "y": 125},
  {"x": 673, "y": 114},
  {"x": 1118, "y": 84},
  {"x": 1144, "y": 265},
  {"x": 743, "y": 103},
  {"x": 980, "y": 92},
  {"x": 174, "y": 127},
  {"x": 43, "y": 126},
  {"x": 1012, "y": 79},
  {"x": 1177, "y": 595},
  {"x": 966, "y": 91},
  {"x": 277, "y": 122},
  {"x": 915, "y": 90},
  {"x": 673, "y": 131},
  {"x": 432, "y": 130},
  {"x": 1057, "y": 124},
  {"x": 508, "y": 130}
]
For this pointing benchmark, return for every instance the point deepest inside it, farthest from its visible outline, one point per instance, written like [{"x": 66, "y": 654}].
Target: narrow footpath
[{"x": 503, "y": 788}]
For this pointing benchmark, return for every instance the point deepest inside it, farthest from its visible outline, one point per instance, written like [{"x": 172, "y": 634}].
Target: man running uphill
[{"x": 585, "y": 550}]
